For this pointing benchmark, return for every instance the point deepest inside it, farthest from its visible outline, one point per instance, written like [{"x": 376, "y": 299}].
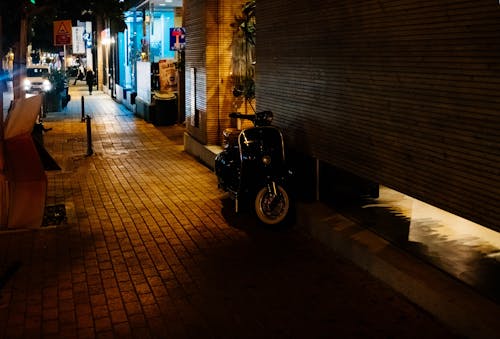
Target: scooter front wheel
[{"x": 272, "y": 208}]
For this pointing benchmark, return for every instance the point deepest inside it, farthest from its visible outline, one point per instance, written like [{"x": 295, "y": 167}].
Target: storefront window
[
  {"x": 147, "y": 38},
  {"x": 130, "y": 48},
  {"x": 159, "y": 47}
]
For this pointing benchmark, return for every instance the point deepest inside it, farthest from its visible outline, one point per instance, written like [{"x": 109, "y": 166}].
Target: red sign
[{"x": 62, "y": 32}]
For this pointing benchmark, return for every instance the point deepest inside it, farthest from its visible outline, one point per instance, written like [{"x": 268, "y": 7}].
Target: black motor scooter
[{"x": 252, "y": 167}]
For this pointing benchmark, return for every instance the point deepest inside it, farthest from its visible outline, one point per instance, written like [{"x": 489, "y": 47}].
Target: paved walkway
[{"x": 151, "y": 249}]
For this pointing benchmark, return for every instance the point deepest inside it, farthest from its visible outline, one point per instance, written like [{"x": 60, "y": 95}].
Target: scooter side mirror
[{"x": 263, "y": 118}]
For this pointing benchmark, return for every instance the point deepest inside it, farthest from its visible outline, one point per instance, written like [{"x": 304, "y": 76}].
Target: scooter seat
[{"x": 230, "y": 137}]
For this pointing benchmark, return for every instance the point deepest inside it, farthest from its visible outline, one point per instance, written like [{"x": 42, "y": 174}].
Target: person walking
[
  {"x": 89, "y": 77},
  {"x": 80, "y": 74}
]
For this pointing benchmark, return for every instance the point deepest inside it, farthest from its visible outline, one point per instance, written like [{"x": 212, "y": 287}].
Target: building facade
[
  {"x": 209, "y": 97},
  {"x": 402, "y": 93},
  {"x": 131, "y": 58}
]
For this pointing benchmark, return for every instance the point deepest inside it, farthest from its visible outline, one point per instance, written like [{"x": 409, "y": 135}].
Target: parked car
[{"x": 37, "y": 79}]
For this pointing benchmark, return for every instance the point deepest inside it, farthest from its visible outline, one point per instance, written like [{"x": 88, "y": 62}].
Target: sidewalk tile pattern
[{"x": 151, "y": 249}]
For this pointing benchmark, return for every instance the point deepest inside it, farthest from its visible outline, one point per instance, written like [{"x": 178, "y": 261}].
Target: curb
[{"x": 454, "y": 303}]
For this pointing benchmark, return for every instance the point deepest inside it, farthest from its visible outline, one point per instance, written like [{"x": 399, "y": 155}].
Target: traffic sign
[{"x": 62, "y": 32}]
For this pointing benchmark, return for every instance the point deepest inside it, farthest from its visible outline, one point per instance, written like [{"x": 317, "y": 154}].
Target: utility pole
[
  {"x": 22, "y": 46},
  {"x": 20, "y": 58},
  {"x": 100, "y": 70}
]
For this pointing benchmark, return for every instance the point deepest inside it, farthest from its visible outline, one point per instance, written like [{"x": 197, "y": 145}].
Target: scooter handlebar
[{"x": 250, "y": 117}]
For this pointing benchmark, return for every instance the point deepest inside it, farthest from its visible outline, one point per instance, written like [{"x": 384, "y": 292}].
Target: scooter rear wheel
[{"x": 272, "y": 209}]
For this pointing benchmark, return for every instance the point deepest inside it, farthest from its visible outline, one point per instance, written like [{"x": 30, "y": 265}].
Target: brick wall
[{"x": 402, "y": 92}]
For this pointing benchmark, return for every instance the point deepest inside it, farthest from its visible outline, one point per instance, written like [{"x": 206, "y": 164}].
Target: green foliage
[
  {"x": 243, "y": 52},
  {"x": 59, "y": 80},
  {"x": 245, "y": 22}
]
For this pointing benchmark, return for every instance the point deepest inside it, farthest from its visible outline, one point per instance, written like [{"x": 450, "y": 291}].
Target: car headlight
[
  {"x": 46, "y": 85},
  {"x": 27, "y": 84}
]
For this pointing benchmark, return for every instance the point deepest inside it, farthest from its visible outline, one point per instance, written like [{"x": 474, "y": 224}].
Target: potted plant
[
  {"x": 57, "y": 97},
  {"x": 243, "y": 54}
]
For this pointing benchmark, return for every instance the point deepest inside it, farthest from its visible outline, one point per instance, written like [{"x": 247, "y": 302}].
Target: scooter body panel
[{"x": 254, "y": 162}]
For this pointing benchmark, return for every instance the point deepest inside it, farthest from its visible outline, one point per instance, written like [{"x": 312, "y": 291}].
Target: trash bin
[{"x": 165, "y": 109}]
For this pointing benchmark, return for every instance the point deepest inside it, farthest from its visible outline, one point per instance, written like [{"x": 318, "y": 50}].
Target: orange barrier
[{"x": 23, "y": 182}]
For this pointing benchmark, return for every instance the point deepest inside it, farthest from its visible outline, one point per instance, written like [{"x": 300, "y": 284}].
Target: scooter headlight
[{"x": 266, "y": 160}]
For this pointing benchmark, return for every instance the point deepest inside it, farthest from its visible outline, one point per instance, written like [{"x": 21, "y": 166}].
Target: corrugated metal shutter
[
  {"x": 195, "y": 22},
  {"x": 405, "y": 93}
]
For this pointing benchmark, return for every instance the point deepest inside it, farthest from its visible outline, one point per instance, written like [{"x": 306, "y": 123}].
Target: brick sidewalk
[{"x": 151, "y": 250}]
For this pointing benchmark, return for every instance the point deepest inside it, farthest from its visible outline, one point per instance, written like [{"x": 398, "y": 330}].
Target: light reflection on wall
[{"x": 434, "y": 227}]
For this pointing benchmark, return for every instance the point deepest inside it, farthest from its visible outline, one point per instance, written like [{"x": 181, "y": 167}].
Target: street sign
[
  {"x": 62, "y": 32},
  {"x": 177, "y": 38},
  {"x": 78, "y": 42}
]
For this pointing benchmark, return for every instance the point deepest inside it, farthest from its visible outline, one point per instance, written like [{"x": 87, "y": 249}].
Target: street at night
[{"x": 151, "y": 248}]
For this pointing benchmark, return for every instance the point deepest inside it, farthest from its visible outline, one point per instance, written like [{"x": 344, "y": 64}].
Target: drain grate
[
  {"x": 54, "y": 215},
  {"x": 76, "y": 139}
]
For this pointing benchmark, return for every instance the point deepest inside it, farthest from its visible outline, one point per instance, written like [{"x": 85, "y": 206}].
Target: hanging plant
[{"x": 243, "y": 52}]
